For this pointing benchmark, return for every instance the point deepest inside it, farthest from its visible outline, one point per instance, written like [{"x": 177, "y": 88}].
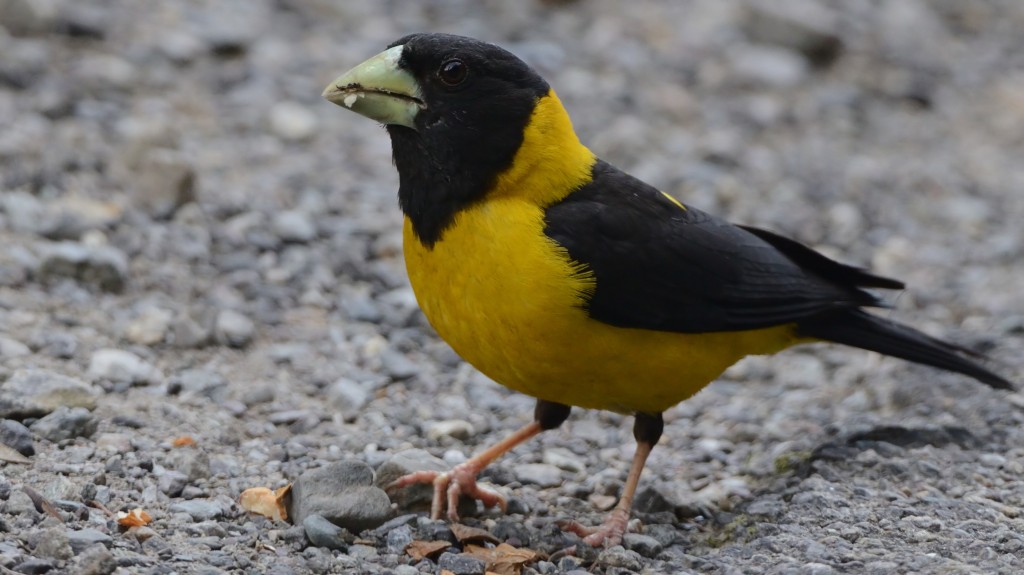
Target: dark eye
[{"x": 453, "y": 72}]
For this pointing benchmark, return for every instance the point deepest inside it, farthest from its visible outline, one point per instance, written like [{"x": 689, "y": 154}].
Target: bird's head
[{"x": 458, "y": 111}]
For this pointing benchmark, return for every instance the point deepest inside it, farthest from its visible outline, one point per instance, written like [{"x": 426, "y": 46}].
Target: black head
[{"x": 455, "y": 108}]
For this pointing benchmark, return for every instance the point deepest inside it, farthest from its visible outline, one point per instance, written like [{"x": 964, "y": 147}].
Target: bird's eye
[{"x": 453, "y": 72}]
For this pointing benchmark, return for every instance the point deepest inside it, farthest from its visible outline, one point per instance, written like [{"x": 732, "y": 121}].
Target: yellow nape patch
[
  {"x": 673, "y": 200},
  {"x": 551, "y": 162}
]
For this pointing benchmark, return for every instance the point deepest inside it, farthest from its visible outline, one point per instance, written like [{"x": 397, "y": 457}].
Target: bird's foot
[
  {"x": 608, "y": 534},
  {"x": 449, "y": 486}
]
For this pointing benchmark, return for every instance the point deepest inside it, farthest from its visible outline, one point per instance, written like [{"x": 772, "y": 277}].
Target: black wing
[{"x": 659, "y": 266}]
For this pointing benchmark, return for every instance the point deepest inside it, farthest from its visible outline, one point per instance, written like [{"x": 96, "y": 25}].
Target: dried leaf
[
  {"x": 42, "y": 504},
  {"x": 11, "y": 455},
  {"x": 420, "y": 550},
  {"x": 263, "y": 501},
  {"x": 503, "y": 559},
  {"x": 467, "y": 534},
  {"x": 134, "y": 518},
  {"x": 183, "y": 441}
]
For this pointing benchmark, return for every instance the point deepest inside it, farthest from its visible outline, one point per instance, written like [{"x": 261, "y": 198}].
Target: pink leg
[
  {"x": 614, "y": 527},
  {"x": 461, "y": 480}
]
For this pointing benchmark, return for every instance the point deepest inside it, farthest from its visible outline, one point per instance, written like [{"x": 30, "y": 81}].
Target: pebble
[
  {"x": 563, "y": 459},
  {"x": 51, "y": 543},
  {"x": 455, "y": 428},
  {"x": 121, "y": 366},
  {"x": 19, "y": 503},
  {"x": 199, "y": 382},
  {"x": 294, "y": 226},
  {"x": 397, "y": 365},
  {"x": 542, "y": 474},
  {"x": 150, "y": 328},
  {"x": 66, "y": 423},
  {"x": 166, "y": 181},
  {"x": 82, "y": 539},
  {"x": 36, "y": 392},
  {"x": 199, "y": 509},
  {"x": 11, "y": 348},
  {"x": 620, "y": 557},
  {"x": 461, "y": 564},
  {"x": 768, "y": 66},
  {"x": 323, "y": 533},
  {"x": 415, "y": 498},
  {"x": 15, "y": 435},
  {"x": 103, "y": 267},
  {"x": 293, "y": 122},
  {"x": 95, "y": 560},
  {"x": 342, "y": 493},
  {"x": 233, "y": 329},
  {"x": 399, "y": 538},
  {"x": 347, "y": 397},
  {"x": 642, "y": 544}
]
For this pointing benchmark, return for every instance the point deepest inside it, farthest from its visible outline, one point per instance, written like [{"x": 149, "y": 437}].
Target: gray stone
[
  {"x": 457, "y": 428},
  {"x": 19, "y": 503},
  {"x": 199, "y": 509},
  {"x": 292, "y": 121},
  {"x": 170, "y": 482},
  {"x": 802, "y": 25},
  {"x": 461, "y": 564},
  {"x": 95, "y": 560},
  {"x": 397, "y": 365},
  {"x": 66, "y": 423},
  {"x": 399, "y": 538},
  {"x": 233, "y": 328},
  {"x": 28, "y": 16},
  {"x": 199, "y": 382},
  {"x": 57, "y": 344},
  {"x": 166, "y": 181},
  {"x": 618, "y": 556},
  {"x": 35, "y": 566},
  {"x": 150, "y": 328},
  {"x": 541, "y": 474},
  {"x": 642, "y": 544},
  {"x": 11, "y": 348},
  {"x": 122, "y": 366},
  {"x": 192, "y": 462},
  {"x": 765, "y": 65},
  {"x": 563, "y": 459},
  {"x": 294, "y": 226},
  {"x": 82, "y": 539},
  {"x": 15, "y": 435},
  {"x": 104, "y": 267},
  {"x": 342, "y": 493},
  {"x": 323, "y": 533},
  {"x": 347, "y": 397},
  {"x": 51, "y": 543},
  {"x": 36, "y": 392}
]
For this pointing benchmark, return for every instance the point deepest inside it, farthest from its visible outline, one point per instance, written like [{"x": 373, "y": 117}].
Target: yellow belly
[{"x": 504, "y": 296}]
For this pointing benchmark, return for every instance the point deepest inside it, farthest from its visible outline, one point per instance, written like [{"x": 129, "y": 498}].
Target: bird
[{"x": 565, "y": 278}]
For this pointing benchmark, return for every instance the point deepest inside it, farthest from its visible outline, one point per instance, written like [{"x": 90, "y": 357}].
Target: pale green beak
[{"x": 379, "y": 90}]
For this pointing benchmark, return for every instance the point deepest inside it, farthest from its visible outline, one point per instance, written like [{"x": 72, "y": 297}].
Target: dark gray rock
[
  {"x": 323, "y": 533},
  {"x": 642, "y": 544},
  {"x": 51, "y": 543},
  {"x": 233, "y": 328},
  {"x": 166, "y": 181},
  {"x": 95, "y": 560},
  {"x": 66, "y": 423},
  {"x": 399, "y": 538},
  {"x": 341, "y": 492},
  {"x": 201, "y": 382},
  {"x": 460, "y": 564},
  {"x": 15, "y": 435},
  {"x": 82, "y": 539}
]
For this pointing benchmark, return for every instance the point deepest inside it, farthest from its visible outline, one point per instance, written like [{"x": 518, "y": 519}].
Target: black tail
[{"x": 866, "y": 331}]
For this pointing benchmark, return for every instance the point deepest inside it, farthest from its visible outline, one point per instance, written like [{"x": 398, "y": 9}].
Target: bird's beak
[{"x": 379, "y": 89}]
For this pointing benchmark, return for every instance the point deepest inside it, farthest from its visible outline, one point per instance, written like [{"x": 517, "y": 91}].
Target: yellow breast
[{"x": 506, "y": 298}]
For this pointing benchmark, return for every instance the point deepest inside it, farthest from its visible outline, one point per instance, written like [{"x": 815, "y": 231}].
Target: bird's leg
[
  {"x": 461, "y": 479},
  {"x": 647, "y": 430}
]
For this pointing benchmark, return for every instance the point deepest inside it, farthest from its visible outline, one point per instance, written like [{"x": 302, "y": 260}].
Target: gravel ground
[{"x": 201, "y": 286}]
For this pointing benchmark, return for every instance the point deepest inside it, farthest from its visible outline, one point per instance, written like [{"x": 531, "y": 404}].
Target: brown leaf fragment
[
  {"x": 183, "y": 441},
  {"x": 11, "y": 455},
  {"x": 42, "y": 504},
  {"x": 420, "y": 550},
  {"x": 263, "y": 501},
  {"x": 503, "y": 559},
  {"x": 467, "y": 534},
  {"x": 134, "y": 518}
]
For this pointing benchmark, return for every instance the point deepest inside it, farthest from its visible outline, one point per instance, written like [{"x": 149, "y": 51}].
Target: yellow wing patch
[{"x": 673, "y": 200}]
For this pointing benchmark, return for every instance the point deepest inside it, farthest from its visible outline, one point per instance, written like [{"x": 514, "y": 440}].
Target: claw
[{"x": 449, "y": 486}]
